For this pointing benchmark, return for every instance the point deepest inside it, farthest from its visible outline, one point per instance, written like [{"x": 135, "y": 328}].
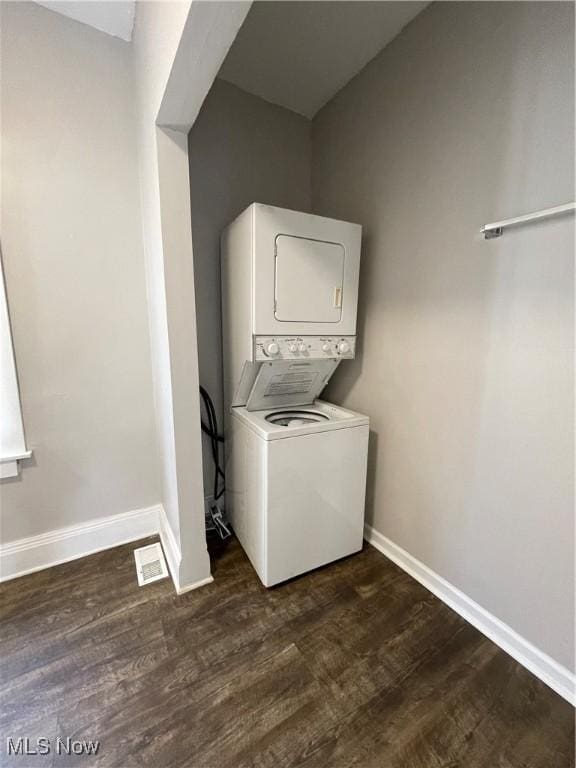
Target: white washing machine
[
  {"x": 295, "y": 466},
  {"x": 297, "y": 478}
]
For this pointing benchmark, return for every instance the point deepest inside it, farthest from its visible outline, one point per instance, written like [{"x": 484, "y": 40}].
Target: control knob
[
  {"x": 326, "y": 347},
  {"x": 343, "y": 347},
  {"x": 292, "y": 348},
  {"x": 301, "y": 347},
  {"x": 272, "y": 348}
]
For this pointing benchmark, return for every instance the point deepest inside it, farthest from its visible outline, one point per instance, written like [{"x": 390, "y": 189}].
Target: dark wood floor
[{"x": 352, "y": 665}]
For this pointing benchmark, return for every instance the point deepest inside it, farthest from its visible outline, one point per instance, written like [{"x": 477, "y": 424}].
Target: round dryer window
[{"x": 295, "y": 418}]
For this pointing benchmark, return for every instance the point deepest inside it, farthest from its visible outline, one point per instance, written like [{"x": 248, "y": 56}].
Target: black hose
[
  {"x": 211, "y": 430},
  {"x": 208, "y": 432}
]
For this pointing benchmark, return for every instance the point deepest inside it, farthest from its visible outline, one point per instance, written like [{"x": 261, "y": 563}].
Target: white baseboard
[
  {"x": 536, "y": 661},
  {"x": 170, "y": 547},
  {"x": 18, "y": 558},
  {"x": 174, "y": 556},
  {"x": 35, "y": 553},
  {"x": 195, "y": 585}
]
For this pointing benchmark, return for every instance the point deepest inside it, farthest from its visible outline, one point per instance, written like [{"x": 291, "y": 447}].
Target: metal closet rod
[{"x": 496, "y": 229}]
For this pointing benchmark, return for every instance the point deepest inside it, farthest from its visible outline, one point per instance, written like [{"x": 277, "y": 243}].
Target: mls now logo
[{"x": 43, "y": 746}]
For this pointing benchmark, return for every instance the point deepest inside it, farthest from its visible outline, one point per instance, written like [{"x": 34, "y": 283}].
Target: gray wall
[
  {"x": 465, "y": 363},
  {"x": 72, "y": 248},
  {"x": 241, "y": 150}
]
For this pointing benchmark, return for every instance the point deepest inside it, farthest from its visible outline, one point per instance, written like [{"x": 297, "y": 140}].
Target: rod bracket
[{"x": 490, "y": 234}]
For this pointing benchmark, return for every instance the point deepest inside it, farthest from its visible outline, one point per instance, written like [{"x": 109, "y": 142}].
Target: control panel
[{"x": 303, "y": 347}]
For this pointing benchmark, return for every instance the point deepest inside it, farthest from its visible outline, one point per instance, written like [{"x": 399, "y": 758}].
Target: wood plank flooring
[{"x": 352, "y": 665}]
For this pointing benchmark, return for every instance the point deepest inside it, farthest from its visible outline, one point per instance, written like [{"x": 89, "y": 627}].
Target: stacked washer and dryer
[{"x": 295, "y": 465}]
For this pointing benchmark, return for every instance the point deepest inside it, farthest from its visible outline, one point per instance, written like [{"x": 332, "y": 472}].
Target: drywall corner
[
  {"x": 181, "y": 319},
  {"x": 177, "y": 49}
]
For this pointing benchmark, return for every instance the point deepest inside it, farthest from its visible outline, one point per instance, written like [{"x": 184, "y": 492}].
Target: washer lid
[{"x": 285, "y": 383}]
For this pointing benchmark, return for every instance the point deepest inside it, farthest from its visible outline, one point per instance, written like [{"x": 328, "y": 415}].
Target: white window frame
[{"x": 12, "y": 439}]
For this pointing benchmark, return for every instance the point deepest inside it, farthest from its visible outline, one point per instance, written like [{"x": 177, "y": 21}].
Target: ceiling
[
  {"x": 115, "y": 17},
  {"x": 297, "y": 54},
  {"x": 300, "y": 54}
]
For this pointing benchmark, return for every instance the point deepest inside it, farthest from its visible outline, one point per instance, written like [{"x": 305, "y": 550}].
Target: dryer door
[{"x": 308, "y": 281}]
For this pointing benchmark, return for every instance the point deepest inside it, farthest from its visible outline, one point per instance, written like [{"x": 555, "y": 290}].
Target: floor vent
[{"x": 150, "y": 564}]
